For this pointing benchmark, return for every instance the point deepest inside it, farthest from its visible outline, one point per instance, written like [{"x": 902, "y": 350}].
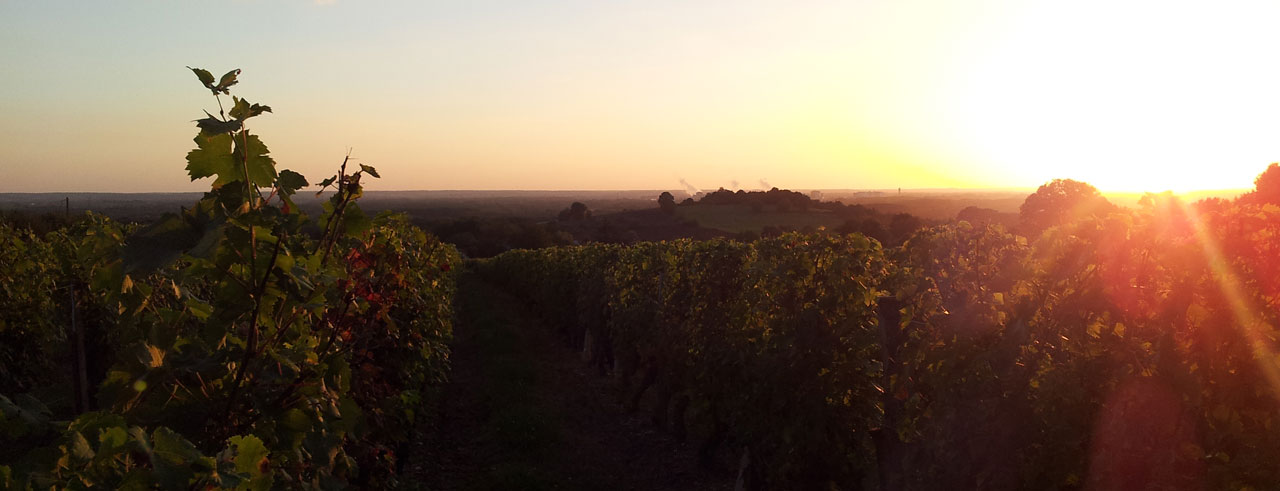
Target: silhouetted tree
[
  {"x": 1060, "y": 201},
  {"x": 1266, "y": 188},
  {"x": 976, "y": 215},
  {"x": 575, "y": 212},
  {"x": 779, "y": 199},
  {"x": 903, "y": 225},
  {"x": 1213, "y": 206},
  {"x": 872, "y": 228},
  {"x": 476, "y": 237},
  {"x": 667, "y": 203}
]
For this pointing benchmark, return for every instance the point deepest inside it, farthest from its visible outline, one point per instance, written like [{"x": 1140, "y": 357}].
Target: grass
[{"x": 524, "y": 431}]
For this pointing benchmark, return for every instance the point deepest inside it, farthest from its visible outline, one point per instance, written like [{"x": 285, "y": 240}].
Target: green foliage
[
  {"x": 29, "y": 337},
  {"x": 222, "y": 86},
  {"x": 1118, "y": 349},
  {"x": 238, "y": 349},
  {"x": 212, "y": 157},
  {"x": 774, "y": 339}
]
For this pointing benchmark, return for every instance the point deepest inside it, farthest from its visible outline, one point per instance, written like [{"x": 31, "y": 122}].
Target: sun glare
[
  {"x": 1132, "y": 96},
  {"x": 1252, "y": 327}
]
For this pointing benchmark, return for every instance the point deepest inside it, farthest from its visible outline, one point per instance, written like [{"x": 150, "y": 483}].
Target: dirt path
[{"x": 522, "y": 413}]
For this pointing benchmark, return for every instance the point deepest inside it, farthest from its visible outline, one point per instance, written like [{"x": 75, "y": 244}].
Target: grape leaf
[
  {"x": 172, "y": 447},
  {"x": 22, "y": 415},
  {"x": 211, "y": 158},
  {"x": 295, "y": 420},
  {"x": 199, "y": 308},
  {"x": 205, "y": 77},
  {"x": 214, "y": 126},
  {"x": 325, "y": 184},
  {"x": 223, "y": 85},
  {"x": 80, "y": 448},
  {"x": 368, "y": 169},
  {"x": 172, "y": 458},
  {"x": 290, "y": 182},
  {"x": 250, "y": 452},
  {"x": 244, "y": 110},
  {"x": 227, "y": 80},
  {"x": 354, "y": 221},
  {"x": 108, "y": 276},
  {"x": 250, "y": 151},
  {"x": 351, "y": 414},
  {"x": 111, "y": 438}
]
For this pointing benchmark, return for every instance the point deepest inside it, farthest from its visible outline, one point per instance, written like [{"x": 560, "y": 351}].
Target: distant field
[
  {"x": 934, "y": 206},
  {"x": 945, "y": 204},
  {"x": 427, "y": 205},
  {"x": 740, "y": 218},
  {"x": 545, "y": 205}
]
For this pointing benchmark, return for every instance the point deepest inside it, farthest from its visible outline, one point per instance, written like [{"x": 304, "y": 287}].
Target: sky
[{"x": 563, "y": 95}]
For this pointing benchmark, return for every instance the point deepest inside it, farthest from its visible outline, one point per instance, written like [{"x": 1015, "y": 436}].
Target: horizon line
[{"x": 638, "y": 190}]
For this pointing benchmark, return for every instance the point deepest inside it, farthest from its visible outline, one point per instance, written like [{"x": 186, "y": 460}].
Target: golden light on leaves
[
  {"x": 155, "y": 356},
  {"x": 1251, "y": 326}
]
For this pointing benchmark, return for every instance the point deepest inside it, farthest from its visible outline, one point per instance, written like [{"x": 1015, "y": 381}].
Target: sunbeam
[{"x": 1250, "y": 325}]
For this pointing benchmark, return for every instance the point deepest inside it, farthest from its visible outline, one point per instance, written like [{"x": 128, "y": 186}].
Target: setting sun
[{"x": 1129, "y": 96}]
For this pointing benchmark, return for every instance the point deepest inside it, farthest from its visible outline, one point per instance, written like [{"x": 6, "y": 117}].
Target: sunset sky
[{"x": 1128, "y": 96}]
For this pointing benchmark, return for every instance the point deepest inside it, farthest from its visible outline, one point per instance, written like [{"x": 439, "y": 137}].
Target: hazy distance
[{"x": 1132, "y": 96}]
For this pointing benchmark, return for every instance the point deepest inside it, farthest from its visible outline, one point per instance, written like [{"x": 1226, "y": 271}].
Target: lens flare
[{"x": 1251, "y": 326}]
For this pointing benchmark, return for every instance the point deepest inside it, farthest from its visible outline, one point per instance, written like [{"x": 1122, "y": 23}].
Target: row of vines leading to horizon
[{"x": 1100, "y": 347}]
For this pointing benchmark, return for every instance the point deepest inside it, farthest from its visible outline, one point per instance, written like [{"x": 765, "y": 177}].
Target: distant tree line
[
  {"x": 779, "y": 199},
  {"x": 37, "y": 223},
  {"x": 487, "y": 237}
]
